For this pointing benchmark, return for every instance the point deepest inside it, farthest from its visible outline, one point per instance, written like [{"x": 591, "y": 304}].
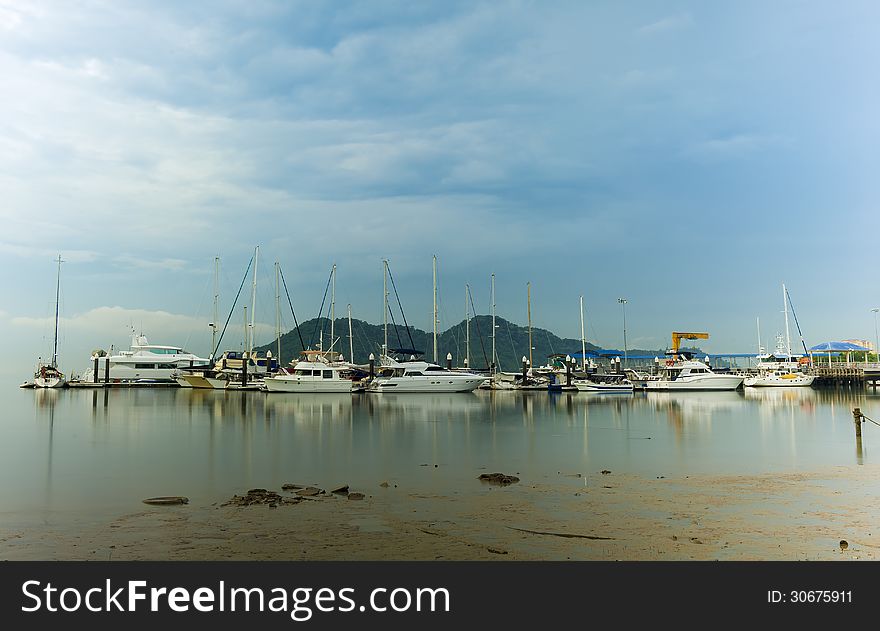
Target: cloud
[
  {"x": 671, "y": 23},
  {"x": 733, "y": 146}
]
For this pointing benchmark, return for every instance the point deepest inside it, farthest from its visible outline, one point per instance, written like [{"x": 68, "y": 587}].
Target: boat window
[
  {"x": 316, "y": 373},
  {"x": 435, "y": 369},
  {"x": 144, "y": 366},
  {"x": 414, "y": 373},
  {"x": 303, "y": 373},
  {"x": 328, "y": 374}
]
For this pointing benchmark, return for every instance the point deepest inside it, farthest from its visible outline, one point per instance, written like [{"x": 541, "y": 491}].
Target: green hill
[{"x": 512, "y": 342}]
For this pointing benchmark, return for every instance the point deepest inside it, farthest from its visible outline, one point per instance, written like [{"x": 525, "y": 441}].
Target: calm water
[{"x": 80, "y": 452}]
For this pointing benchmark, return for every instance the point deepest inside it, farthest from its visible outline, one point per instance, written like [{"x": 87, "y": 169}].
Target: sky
[{"x": 690, "y": 157}]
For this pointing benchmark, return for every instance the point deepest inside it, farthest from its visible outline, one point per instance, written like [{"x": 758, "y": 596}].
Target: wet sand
[{"x": 589, "y": 516}]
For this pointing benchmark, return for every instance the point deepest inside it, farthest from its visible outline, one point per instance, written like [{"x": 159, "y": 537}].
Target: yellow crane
[{"x": 678, "y": 336}]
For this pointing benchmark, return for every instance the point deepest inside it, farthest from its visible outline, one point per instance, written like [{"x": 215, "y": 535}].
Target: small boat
[
  {"x": 314, "y": 372},
  {"x": 779, "y": 378},
  {"x": 604, "y": 383},
  {"x": 48, "y": 375}
]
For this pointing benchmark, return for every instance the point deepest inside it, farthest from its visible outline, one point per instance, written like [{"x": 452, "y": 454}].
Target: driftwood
[
  {"x": 562, "y": 534},
  {"x": 170, "y": 500}
]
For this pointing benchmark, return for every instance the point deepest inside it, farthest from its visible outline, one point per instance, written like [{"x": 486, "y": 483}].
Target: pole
[
  {"x": 333, "y": 307},
  {"x": 216, "y": 305},
  {"x": 57, "y": 295},
  {"x": 785, "y": 310},
  {"x": 435, "y": 309},
  {"x": 876, "y": 338},
  {"x": 467, "y": 326},
  {"x": 277, "y": 315},
  {"x": 583, "y": 337},
  {"x": 622, "y": 301},
  {"x": 385, "y": 303},
  {"x": 529, "y": 298},
  {"x": 250, "y": 343},
  {"x": 760, "y": 348},
  {"x": 350, "y": 338},
  {"x": 493, "y": 323}
]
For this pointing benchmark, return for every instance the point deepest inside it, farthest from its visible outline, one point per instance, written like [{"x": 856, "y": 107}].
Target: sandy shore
[{"x": 594, "y": 516}]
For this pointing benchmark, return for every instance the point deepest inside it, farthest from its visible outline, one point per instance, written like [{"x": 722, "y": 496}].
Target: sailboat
[
  {"x": 595, "y": 382},
  {"x": 781, "y": 368},
  {"x": 48, "y": 375}
]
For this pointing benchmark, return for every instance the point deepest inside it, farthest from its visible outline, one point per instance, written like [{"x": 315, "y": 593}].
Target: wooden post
[
  {"x": 857, "y": 418},
  {"x": 524, "y": 369},
  {"x": 448, "y": 361},
  {"x": 244, "y": 363},
  {"x": 568, "y": 371},
  {"x": 372, "y": 366},
  {"x": 107, "y": 370},
  {"x": 95, "y": 378}
]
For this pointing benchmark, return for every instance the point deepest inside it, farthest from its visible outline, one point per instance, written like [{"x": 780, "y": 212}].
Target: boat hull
[
  {"x": 603, "y": 387},
  {"x": 780, "y": 381},
  {"x": 49, "y": 382},
  {"x": 703, "y": 383},
  {"x": 428, "y": 384},
  {"x": 293, "y": 384}
]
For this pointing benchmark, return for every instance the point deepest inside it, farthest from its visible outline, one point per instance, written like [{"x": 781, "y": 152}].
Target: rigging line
[
  {"x": 510, "y": 337},
  {"x": 240, "y": 287},
  {"x": 405, "y": 323},
  {"x": 321, "y": 310},
  {"x": 298, "y": 332},
  {"x": 479, "y": 334},
  {"x": 806, "y": 352},
  {"x": 396, "y": 331}
]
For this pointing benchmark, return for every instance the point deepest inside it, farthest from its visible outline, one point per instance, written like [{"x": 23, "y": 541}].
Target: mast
[
  {"x": 250, "y": 344},
  {"x": 278, "y": 314},
  {"x": 785, "y": 310},
  {"x": 467, "y": 325},
  {"x": 385, "y": 303},
  {"x": 435, "y": 309},
  {"x": 216, "y": 305},
  {"x": 350, "y": 338},
  {"x": 493, "y": 323},
  {"x": 760, "y": 348},
  {"x": 244, "y": 348},
  {"x": 529, "y": 297},
  {"x": 333, "y": 307},
  {"x": 57, "y": 296},
  {"x": 583, "y": 338}
]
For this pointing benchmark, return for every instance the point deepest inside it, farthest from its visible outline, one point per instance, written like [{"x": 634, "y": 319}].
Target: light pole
[
  {"x": 876, "y": 338},
  {"x": 622, "y": 302}
]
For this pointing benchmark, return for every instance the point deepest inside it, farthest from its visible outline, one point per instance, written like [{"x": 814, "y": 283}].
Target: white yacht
[
  {"x": 421, "y": 376},
  {"x": 48, "y": 376},
  {"x": 604, "y": 383},
  {"x": 143, "y": 362},
  {"x": 313, "y": 373},
  {"x": 779, "y": 378},
  {"x": 685, "y": 373}
]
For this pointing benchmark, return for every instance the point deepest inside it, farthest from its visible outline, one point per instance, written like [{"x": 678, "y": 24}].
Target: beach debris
[
  {"x": 695, "y": 540},
  {"x": 498, "y": 478},
  {"x": 843, "y": 544},
  {"x": 355, "y": 496},
  {"x": 342, "y": 490},
  {"x": 562, "y": 534},
  {"x": 384, "y": 485},
  {"x": 604, "y": 472},
  {"x": 170, "y": 500},
  {"x": 291, "y": 487},
  {"x": 261, "y": 497},
  {"x": 496, "y": 551}
]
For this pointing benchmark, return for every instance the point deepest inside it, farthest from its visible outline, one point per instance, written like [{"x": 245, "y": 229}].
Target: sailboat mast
[
  {"x": 583, "y": 337},
  {"x": 350, "y": 338},
  {"x": 250, "y": 345},
  {"x": 385, "y": 303},
  {"x": 467, "y": 326},
  {"x": 435, "y": 309},
  {"x": 216, "y": 305},
  {"x": 760, "y": 348},
  {"x": 278, "y": 314},
  {"x": 785, "y": 309},
  {"x": 333, "y": 308},
  {"x": 493, "y": 323},
  {"x": 57, "y": 297},
  {"x": 529, "y": 298}
]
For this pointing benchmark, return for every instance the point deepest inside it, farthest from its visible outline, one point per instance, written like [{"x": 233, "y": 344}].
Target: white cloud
[{"x": 734, "y": 146}]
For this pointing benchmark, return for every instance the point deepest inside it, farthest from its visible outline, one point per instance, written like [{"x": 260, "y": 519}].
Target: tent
[{"x": 837, "y": 347}]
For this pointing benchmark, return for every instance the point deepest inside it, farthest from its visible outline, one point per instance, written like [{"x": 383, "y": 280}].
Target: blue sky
[{"x": 688, "y": 156}]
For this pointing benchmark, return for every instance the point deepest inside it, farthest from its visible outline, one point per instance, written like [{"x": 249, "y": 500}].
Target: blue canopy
[{"x": 830, "y": 347}]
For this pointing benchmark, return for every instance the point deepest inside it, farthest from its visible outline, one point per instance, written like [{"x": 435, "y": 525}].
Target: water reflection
[{"x": 60, "y": 446}]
